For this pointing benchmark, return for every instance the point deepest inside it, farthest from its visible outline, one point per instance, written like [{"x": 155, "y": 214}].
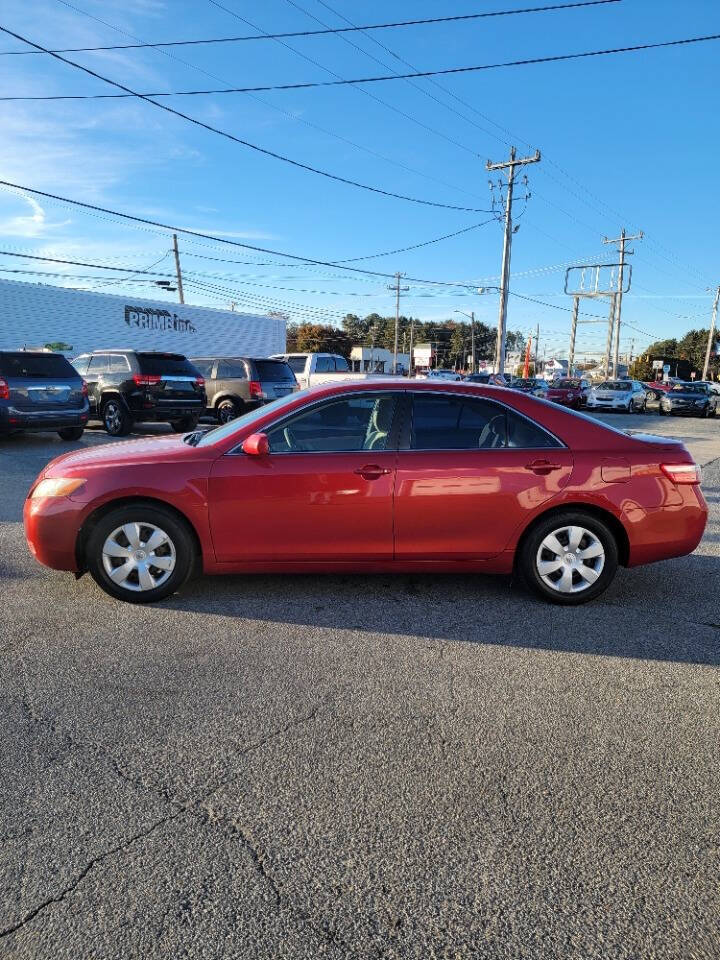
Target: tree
[
  {"x": 321, "y": 338},
  {"x": 641, "y": 369},
  {"x": 520, "y": 370}
]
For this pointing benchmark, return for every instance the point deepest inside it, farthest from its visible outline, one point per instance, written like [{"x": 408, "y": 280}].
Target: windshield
[
  {"x": 247, "y": 419},
  {"x": 567, "y": 384},
  {"x": 689, "y": 388},
  {"x": 614, "y": 385},
  {"x": 166, "y": 364},
  {"x": 273, "y": 370}
]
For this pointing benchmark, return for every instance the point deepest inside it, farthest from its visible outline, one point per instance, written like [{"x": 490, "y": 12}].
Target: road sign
[
  {"x": 666, "y": 368},
  {"x": 657, "y": 364},
  {"x": 693, "y": 375}
]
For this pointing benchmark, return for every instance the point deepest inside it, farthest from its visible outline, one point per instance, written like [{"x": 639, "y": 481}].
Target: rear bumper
[
  {"x": 11, "y": 418},
  {"x": 166, "y": 414},
  {"x": 668, "y": 531}
]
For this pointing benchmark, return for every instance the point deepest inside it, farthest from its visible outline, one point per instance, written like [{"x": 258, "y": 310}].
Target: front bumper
[
  {"x": 682, "y": 411},
  {"x": 607, "y": 405},
  {"x": 12, "y": 418},
  {"x": 52, "y": 525}
]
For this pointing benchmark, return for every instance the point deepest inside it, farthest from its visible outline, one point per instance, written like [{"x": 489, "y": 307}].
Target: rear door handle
[
  {"x": 371, "y": 471},
  {"x": 543, "y": 467}
]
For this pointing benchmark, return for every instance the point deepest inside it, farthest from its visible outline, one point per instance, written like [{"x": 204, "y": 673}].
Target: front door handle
[
  {"x": 371, "y": 471},
  {"x": 543, "y": 467}
]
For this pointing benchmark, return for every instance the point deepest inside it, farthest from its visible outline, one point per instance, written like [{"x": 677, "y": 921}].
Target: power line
[
  {"x": 416, "y": 246},
  {"x": 223, "y": 240},
  {"x": 558, "y": 58},
  {"x": 245, "y": 143},
  {"x": 317, "y": 33}
]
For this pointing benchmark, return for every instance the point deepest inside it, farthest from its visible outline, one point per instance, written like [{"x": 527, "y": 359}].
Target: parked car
[
  {"x": 534, "y": 385},
  {"x": 40, "y": 390},
  {"x": 386, "y": 475},
  {"x": 129, "y": 386},
  {"x": 689, "y": 399},
  {"x": 440, "y": 374},
  {"x": 310, "y": 369},
  {"x": 234, "y": 385},
  {"x": 569, "y": 391},
  {"x": 481, "y": 377},
  {"x": 628, "y": 396}
]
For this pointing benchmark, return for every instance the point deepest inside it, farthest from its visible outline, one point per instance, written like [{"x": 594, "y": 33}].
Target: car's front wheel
[
  {"x": 569, "y": 558},
  {"x": 71, "y": 433},
  {"x": 140, "y": 553}
]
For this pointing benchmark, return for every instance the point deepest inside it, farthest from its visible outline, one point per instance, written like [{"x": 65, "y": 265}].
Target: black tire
[
  {"x": 528, "y": 552},
  {"x": 182, "y": 552},
  {"x": 227, "y": 410},
  {"x": 116, "y": 420},
  {"x": 71, "y": 433},
  {"x": 184, "y": 425}
]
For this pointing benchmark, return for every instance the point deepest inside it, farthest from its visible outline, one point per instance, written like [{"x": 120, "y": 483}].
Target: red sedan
[
  {"x": 570, "y": 392},
  {"x": 373, "y": 476}
]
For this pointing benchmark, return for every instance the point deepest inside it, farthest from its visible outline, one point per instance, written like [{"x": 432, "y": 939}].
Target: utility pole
[
  {"x": 177, "y": 268},
  {"x": 398, "y": 289},
  {"x": 411, "y": 366},
  {"x": 573, "y": 332},
  {"x": 706, "y": 365},
  {"x": 510, "y": 166},
  {"x": 608, "y": 345},
  {"x": 621, "y": 240}
]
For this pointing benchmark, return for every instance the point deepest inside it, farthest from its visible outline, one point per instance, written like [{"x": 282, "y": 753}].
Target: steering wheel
[{"x": 293, "y": 443}]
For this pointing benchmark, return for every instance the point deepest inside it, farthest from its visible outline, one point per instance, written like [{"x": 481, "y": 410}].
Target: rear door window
[
  {"x": 273, "y": 370},
  {"x": 205, "y": 367},
  {"x": 166, "y": 364},
  {"x": 325, "y": 365},
  {"x": 119, "y": 363},
  {"x": 297, "y": 364},
  {"x": 99, "y": 363},
  {"x": 41, "y": 366},
  {"x": 442, "y": 422},
  {"x": 231, "y": 370}
]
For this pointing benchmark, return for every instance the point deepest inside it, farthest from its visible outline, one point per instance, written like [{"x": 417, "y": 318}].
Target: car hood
[{"x": 128, "y": 452}]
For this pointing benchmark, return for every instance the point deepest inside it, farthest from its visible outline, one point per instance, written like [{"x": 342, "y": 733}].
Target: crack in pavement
[{"x": 185, "y": 807}]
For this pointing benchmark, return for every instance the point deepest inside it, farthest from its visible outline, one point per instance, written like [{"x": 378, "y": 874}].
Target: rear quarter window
[
  {"x": 42, "y": 366},
  {"x": 171, "y": 364}
]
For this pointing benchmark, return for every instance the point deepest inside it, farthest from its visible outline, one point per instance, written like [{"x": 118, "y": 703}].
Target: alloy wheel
[
  {"x": 570, "y": 559},
  {"x": 112, "y": 417},
  {"x": 138, "y": 556}
]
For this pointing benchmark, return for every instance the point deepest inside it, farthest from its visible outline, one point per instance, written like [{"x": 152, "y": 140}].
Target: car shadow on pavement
[{"x": 665, "y": 611}]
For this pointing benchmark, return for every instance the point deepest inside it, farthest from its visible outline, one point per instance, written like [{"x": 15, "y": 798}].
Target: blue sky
[{"x": 627, "y": 141}]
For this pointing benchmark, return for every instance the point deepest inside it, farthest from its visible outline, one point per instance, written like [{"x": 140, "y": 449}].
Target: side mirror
[{"x": 256, "y": 445}]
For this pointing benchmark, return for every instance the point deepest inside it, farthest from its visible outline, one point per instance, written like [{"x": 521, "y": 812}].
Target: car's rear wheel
[
  {"x": 71, "y": 433},
  {"x": 116, "y": 420},
  {"x": 569, "y": 558},
  {"x": 140, "y": 553},
  {"x": 184, "y": 425},
  {"x": 227, "y": 410}
]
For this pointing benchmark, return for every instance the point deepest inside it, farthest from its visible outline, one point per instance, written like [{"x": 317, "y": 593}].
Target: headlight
[{"x": 56, "y": 487}]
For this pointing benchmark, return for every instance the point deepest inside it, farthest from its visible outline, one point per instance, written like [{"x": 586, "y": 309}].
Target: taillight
[
  {"x": 4, "y": 390},
  {"x": 681, "y": 472},
  {"x": 146, "y": 379},
  {"x": 200, "y": 381},
  {"x": 84, "y": 389},
  {"x": 256, "y": 389}
]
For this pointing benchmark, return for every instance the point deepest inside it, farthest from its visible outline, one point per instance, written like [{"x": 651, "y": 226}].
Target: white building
[
  {"x": 377, "y": 360},
  {"x": 78, "y": 321}
]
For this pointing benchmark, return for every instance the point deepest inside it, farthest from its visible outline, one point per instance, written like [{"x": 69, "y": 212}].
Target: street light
[{"x": 471, "y": 317}]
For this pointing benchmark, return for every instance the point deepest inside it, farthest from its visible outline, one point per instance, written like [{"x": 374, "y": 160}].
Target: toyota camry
[{"x": 378, "y": 475}]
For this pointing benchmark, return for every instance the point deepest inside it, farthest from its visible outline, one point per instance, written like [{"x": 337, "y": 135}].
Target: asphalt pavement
[{"x": 360, "y": 766}]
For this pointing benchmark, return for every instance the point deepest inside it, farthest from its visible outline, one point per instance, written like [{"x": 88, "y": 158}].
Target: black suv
[
  {"x": 40, "y": 390},
  {"x": 237, "y": 384},
  {"x": 129, "y": 386}
]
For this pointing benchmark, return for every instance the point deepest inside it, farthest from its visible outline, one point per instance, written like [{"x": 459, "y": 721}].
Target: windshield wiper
[{"x": 192, "y": 438}]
